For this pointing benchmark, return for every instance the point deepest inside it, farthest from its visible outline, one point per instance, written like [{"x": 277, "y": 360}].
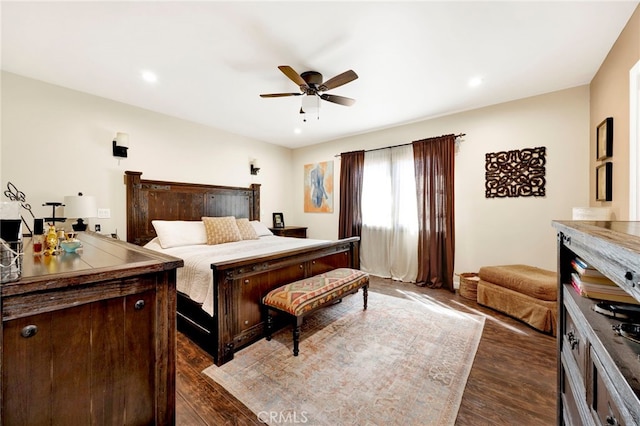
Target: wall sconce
[
  {"x": 120, "y": 145},
  {"x": 79, "y": 207},
  {"x": 253, "y": 167}
]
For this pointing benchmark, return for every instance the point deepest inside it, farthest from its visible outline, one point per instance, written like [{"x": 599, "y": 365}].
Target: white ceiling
[{"x": 213, "y": 59}]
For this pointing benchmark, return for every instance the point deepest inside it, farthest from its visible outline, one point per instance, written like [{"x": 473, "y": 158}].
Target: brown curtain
[
  {"x": 434, "y": 162},
  {"x": 351, "y": 174}
]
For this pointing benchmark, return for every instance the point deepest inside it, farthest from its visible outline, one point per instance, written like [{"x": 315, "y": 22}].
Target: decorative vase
[{"x": 51, "y": 241}]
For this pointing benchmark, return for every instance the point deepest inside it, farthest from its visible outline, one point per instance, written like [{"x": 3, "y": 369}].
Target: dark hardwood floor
[{"x": 512, "y": 381}]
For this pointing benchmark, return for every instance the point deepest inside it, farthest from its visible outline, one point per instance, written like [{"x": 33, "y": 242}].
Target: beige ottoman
[{"x": 524, "y": 292}]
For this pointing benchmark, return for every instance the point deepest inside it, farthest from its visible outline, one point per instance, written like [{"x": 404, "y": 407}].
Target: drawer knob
[
  {"x": 629, "y": 275},
  {"x": 301, "y": 266},
  {"x": 139, "y": 305},
  {"x": 573, "y": 341},
  {"x": 246, "y": 281},
  {"x": 612, "y": 421},
  {"x": 246, "y": 323},
  {"x": 29, "y": 331}
]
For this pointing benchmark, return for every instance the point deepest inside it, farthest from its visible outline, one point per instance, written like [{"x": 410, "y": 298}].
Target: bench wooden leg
[
  {"x": 365, "y": 295},
  {"x": 296, "y": 335},
  {"x": 269, "y": 329}
]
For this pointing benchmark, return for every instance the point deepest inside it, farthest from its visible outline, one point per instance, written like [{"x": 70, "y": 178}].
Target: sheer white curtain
[{"x": 389, "y": 241}]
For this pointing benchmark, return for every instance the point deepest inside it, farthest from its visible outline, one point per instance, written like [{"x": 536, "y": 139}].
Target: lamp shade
[
  {"x": 591, "y": 213},
  {"x": 310, "y": 103},
  {"x": 122, "y": 139},
  {"x": 80, "y": 206}
]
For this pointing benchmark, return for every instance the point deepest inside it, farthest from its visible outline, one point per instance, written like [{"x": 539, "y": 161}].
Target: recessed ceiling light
[
  {"x": 475, "y": 82},
  {"x": 149, "y": 77},
  {"x": 297, "y": 131}
]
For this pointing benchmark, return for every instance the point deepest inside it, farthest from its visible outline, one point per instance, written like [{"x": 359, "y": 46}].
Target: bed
[{"x": 234, "y": 318}]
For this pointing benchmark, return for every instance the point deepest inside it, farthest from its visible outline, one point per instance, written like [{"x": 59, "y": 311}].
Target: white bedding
[{"x": 195, "y": 279}]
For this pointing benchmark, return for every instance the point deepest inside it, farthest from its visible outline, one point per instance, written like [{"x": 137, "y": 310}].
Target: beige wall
[
  {"x": 56, "y": 142},
  {"x": 488, "y": 231},
  {"x": 610, "y": 98}
]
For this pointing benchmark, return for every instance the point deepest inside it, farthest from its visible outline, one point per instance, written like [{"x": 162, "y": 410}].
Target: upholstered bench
[
  {"x": 524, "y": 292},
  {"x": 307, "y": 295}
]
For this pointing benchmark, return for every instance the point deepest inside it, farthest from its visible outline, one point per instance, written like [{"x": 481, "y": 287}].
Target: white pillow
[
  {"x": 176, "y": 233},
  {"x": 261, "y": 228},
  {"x": 154, "y": 244}
]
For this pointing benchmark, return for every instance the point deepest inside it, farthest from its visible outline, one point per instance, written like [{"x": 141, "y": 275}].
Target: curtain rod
[{"x": 459, "y": 135}]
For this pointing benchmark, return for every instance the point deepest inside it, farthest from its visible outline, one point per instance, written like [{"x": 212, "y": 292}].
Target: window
[{"x": 389, "y": 214}]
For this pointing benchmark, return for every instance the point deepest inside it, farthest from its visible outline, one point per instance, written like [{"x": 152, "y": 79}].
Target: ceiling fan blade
[
  {"x": 293, "y": 76},
  {"x": 338, "y": 99},
  {"x": 338, "y": 80},
  {"x": 278, "y": 95}
]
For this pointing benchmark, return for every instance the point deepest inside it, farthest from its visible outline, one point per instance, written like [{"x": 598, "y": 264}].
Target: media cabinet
[{"x": 598, "y": 369}]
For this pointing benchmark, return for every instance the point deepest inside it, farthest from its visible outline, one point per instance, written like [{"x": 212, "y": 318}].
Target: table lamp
[
  {"x": 79, "y": 207},
  {"x": 591, "y": 213}
]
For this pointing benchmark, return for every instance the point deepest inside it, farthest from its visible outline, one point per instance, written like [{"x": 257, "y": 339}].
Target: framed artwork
[
  {"x": 278, "y": 220},
  {"x": 604, "y": 176},
  {"x": 604, "y": 139},
  {"x": 517, "y": 173},
  {"x": 318, "y": 187}
]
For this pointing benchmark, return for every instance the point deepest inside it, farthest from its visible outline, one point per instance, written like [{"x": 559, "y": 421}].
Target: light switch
[{"x": 104, "y": 213}]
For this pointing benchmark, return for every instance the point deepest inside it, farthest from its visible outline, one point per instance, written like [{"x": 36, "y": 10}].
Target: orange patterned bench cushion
[{"x": 304, "y": 295}]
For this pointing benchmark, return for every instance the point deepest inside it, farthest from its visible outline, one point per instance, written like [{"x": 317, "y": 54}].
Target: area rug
[{"x": 400, "y": 362}]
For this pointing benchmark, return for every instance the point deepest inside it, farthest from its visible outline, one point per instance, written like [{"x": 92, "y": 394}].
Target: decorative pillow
[
  {"x": 260, "y": 228},
  {"x": 221, "y": 230},
  {"x": 176, "y": 233},
  {"x": 246, "y": 230}
]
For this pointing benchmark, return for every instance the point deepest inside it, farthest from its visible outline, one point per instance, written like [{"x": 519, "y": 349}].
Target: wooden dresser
[
  {"x": 89, "y": 337},
  {"x": 598, "y": 370}
]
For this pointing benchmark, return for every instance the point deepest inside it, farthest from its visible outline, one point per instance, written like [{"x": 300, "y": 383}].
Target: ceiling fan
[{"x": 310, "y": 83}]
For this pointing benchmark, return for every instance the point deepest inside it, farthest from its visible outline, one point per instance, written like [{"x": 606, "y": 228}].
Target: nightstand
[{"x": 290, "y": 231}]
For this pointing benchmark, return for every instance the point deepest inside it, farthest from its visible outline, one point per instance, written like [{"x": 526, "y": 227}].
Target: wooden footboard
[{"x": 238, "y": 285}]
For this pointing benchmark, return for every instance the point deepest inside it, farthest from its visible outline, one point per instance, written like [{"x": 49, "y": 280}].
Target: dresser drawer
[
  {"x": 23, "y": 305},
  {"x": 574, "y": 342},
  {"x": 602, "y": 395},
  {"x": 571, "y": 414},
  {"x": 290, "y": 231}
]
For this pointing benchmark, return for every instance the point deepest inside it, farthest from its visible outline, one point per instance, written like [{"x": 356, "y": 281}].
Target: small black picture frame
[
  {"x": 278, "y": 220},
  {"x": 604, "y": 139},
  {"x": 604, "y": 176}
]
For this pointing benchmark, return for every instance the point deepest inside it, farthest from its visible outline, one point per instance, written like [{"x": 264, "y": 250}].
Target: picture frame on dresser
[
  {"x": 604, "y": 176},
  {"x": 604, "y": 139},
  {"x": 278, "y": 220}
]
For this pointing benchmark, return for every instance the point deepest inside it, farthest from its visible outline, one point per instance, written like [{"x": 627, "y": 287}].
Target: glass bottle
[
  {"x": 61, "y": 238},
  {"x": 38, "y": 237},
  {"x": 51, "y": 241}
]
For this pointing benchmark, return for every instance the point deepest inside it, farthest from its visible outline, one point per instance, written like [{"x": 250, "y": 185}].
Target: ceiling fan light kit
[
  {"x": 311, "y": 85},
  {"x": 310, "y": 105}
]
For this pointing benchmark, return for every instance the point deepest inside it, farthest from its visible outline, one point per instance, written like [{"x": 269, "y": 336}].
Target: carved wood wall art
[{"x": 517, "y": 173}]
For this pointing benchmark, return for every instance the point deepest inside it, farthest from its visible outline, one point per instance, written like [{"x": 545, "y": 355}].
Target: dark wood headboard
[{"x": 149, "y": 200}]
